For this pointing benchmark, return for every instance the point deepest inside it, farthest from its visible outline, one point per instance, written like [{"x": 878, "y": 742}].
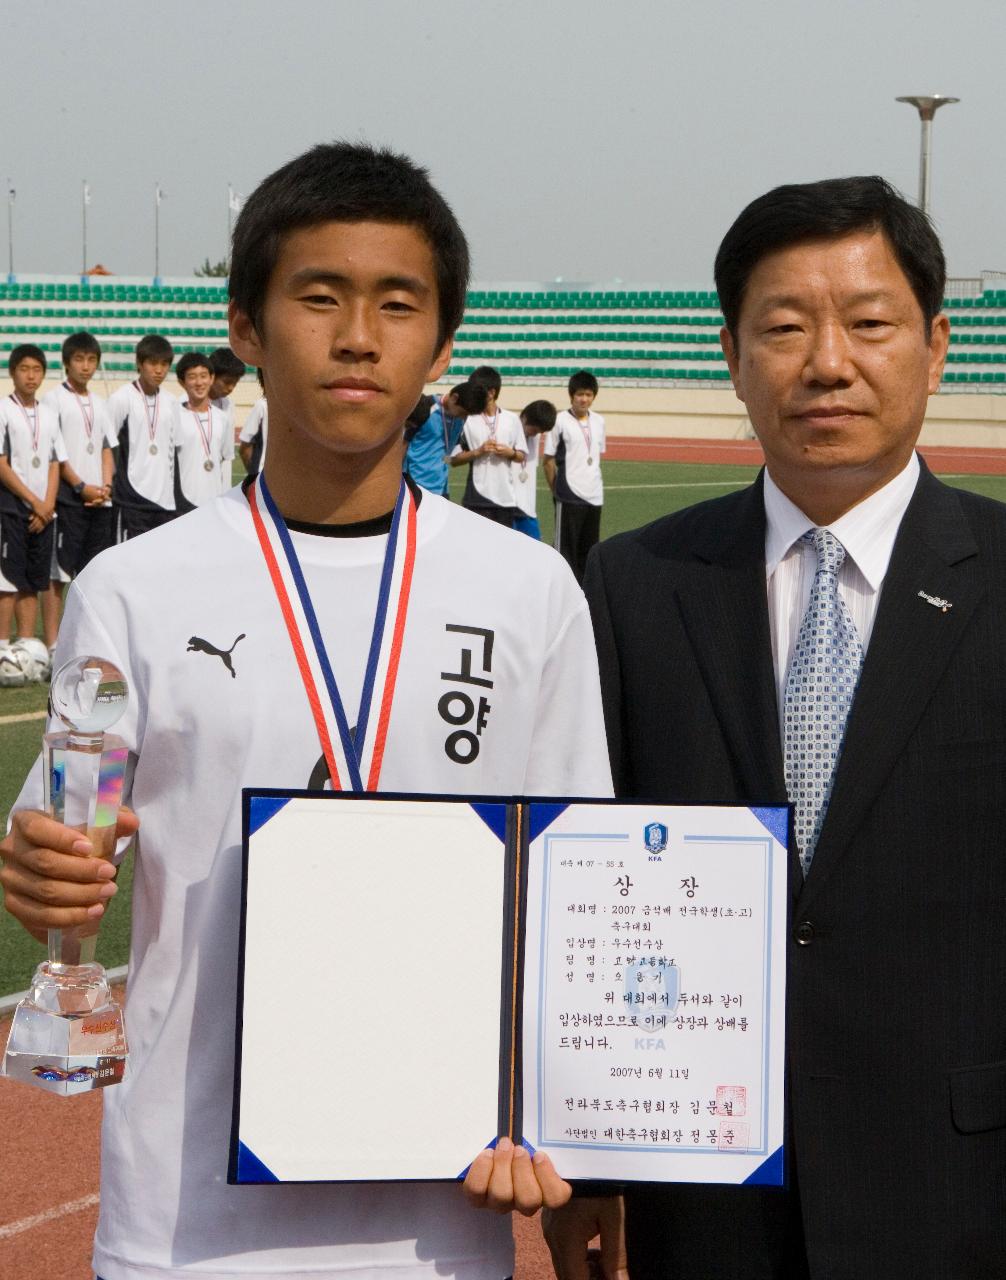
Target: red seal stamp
[
  {"x": 731, "y": 1100},
  {"x": 733, "y": 1135}
]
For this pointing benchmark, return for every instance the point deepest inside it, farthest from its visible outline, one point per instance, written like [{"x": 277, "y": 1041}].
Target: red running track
[{"x": 942, "y": 459}]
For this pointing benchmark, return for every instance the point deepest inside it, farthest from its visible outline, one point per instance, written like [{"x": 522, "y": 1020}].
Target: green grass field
[{"x": 635, "y": 493}]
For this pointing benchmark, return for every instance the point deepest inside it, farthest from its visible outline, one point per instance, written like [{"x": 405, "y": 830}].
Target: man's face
[
  {"x": 348, "y": 336},
  {"x": 222, "y": 386},
  {"x": 81, "y": 367},
  {"x": 153, "y": 372},
  {"x": 27, "y": 378},
  {"x": 834, "y": 363},
  {"x": 581, "y": 401},
  {"x": 452, "y": 408},
  {"x": 197, "y": 383}
]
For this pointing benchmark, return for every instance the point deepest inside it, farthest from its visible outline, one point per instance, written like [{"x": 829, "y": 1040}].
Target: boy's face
[
  {"x": 348, "y": 335},
  {"x": 28, "y": 376},
  {"x": 81, "y": 367},
  {"x": 153, "y": 372},
  {"x": 222, "y": 386},
  {"x": 530, "y": 429},
  {"x": 453, "y": 407},
  {"x": 581, "y": 401},
  {"x": 197, "y": 382}
]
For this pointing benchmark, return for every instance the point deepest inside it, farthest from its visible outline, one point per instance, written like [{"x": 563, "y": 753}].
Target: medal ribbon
[
  {"x": 588, "y": 435},
  {"x": 34, "y": 425},
  {"x": 361, "y": 754},
  {"x": 151, "y": 421},
  {"x": 205, "y": 436},
  {"x": 86, "y": 409}
]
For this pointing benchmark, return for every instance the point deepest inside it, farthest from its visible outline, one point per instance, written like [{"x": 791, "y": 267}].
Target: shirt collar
[{"x": 867, "y": 531}]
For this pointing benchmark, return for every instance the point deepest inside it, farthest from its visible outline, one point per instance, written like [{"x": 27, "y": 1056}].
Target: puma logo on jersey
[{"x": 198, "y": 645}]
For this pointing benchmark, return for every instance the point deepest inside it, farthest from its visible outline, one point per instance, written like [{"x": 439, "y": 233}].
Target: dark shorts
[
  {"x": 25, "y": 558},
  {"x": 81, "y": 532},
  {"x": 130, "y": 522},
  {"x": 498, "y": 515}
]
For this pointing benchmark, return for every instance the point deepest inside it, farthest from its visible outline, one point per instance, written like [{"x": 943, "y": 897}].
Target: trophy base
[{"x": 67, "y": 1035}]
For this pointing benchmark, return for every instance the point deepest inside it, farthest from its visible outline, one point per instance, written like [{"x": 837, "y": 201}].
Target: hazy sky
[{"x": 591, "y": 140}]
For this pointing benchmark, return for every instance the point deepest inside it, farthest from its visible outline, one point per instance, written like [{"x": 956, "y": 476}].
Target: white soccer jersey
[
  {"x": 86, "y": 427},
  {"x": 490, "y": 479},
  {"x": 525, "y": 478},
  {"x": 216, "y": 703},
  {"x": 226, "y": 406},
  {"x": 202, "y": 439},
  {"x": 144, "y": 427},
  {"x": 29, "y": 439},
  {"x": 577, "y": 448},
  {"x": 256, "y": 421}
]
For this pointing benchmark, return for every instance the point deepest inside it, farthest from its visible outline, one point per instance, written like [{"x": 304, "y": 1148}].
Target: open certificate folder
[{"x": 603, "y": 981}]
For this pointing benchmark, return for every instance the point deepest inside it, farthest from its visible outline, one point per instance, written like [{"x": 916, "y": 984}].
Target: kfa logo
[
  {"x": 655, "y": 840},
  {"x": 465, "y": 708}
]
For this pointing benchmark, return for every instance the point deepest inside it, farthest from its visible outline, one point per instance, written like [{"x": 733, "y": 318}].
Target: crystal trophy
[{"x": 67, "y": 1035}]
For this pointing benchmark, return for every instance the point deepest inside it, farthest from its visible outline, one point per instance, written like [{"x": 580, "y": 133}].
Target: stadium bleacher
[{"x": 626, "y": 336}]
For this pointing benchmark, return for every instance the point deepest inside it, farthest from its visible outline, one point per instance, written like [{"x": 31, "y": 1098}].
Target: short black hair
[
  {"x": 825, "y": 210},
  {"x": 82, "y": 341},
  {"x": 225, "y": 364},
  {"x": 485, "y": 375},
  {"x": 154, "y": 346},
  {"x": 471, "y": 396},
  {"x": 192, "y": 360},
  {"x": 26, "y": 351},
  {"x": 346, "y": 182},
  {"x": 582, "y": 380},
  {"x": 539, "y": 414}
]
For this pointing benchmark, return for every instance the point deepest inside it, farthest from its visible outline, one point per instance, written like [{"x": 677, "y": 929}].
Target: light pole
[{"x": 927, "y": 105}]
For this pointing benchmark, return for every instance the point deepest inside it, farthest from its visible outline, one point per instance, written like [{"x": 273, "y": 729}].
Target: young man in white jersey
[
  {"x": 227, "y": 373},
  {"x": 573, "y": 470},
  {"x": 145, "y": 420},
  {"x": 204, "y": 445},
  {"x": 348, "y": 279},
  {"x": 84, "y": 498},
  {"x": 537, "y": 419},
  {"x": 29, "y": 476},
  {"x": 254, "y": 434},
  {"x": 489, "y": 443}
]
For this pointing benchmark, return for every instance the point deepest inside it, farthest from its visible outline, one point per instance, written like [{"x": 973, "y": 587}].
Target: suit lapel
[
  {"x": 910, "y": 647},
  {"x": 724, "y": 606}
]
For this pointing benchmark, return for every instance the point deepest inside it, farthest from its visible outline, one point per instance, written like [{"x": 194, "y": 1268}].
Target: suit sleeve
[{"x": 595, "y": 588}]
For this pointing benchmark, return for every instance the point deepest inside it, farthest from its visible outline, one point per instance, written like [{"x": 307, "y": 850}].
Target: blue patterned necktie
[{"x": 820, "y": 687}]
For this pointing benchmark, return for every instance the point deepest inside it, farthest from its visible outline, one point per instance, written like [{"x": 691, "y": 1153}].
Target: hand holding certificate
[{"x": 601, "y": 982}]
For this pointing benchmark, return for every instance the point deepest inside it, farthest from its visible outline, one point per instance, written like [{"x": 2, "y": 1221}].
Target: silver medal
[
  {"x": 36, "y": 461},
  {"x": 523, "y": 476},
  {"x": 153, "y": 448},
  {"x": 90, "y": 446},
  {"x": 208, "y": 465},
  {"x": 590, "y": 460}
]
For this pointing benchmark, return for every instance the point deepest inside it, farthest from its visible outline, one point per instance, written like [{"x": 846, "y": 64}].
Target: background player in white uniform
[
  {"x": 145, "y": 419},
  {"x": 254, "y": 435},
  {"x": 29, "y": 475},
  {"x": 573, "y": 470},
  {"x": 349, "y": 314},
  {"x": 537, "y": 419},
  {"x": 227, "y": 373},
  {"x": 204, "y": 444},
  {"x": 490, "y": 441},
  {"x": 84, "y": 499}
]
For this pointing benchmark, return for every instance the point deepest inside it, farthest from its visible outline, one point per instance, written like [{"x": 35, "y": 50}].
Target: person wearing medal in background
[
  {"x": 536, "y": 419},
  {"x": 427, "y": 459},
  {"x": 490, "y": 441},
  {"x": 353, "y": 638},
  {"x": 204, "y": 446},
  {"x": 573, "y": 471},
  {"x": 84, "y": 499},
  {"x": 145, "y": 420}
]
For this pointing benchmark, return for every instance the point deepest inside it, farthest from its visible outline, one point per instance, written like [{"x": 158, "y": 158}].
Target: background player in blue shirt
[{"x": 431, "y": 445}]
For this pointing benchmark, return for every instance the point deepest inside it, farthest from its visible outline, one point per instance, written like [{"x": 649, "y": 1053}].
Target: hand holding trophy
[{"x": 67, "y": 1035}]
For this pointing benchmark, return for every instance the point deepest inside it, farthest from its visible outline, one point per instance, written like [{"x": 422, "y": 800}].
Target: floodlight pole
[{"x": 927, "y": 105}]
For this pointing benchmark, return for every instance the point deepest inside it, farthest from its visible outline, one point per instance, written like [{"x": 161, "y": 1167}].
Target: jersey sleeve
[
  {"x": 118, "y": 412},
  {"x": 551, "y": 441},
  {"x": 569, "y": 752},
  {"x": 519, "y": 438},
  {"x": 59, "y": 452}
]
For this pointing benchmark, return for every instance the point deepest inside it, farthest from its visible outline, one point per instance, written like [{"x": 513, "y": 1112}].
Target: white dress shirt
[{"x": 867, "y": 532}]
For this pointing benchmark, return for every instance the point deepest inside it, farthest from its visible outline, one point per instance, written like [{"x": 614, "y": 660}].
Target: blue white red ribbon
[{"x": 354, "y": 760}]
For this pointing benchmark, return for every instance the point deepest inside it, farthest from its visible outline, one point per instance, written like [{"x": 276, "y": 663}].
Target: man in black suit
[{"x": 896, "y": 1149}]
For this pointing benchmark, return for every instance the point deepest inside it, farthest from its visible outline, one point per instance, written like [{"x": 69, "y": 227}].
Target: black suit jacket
[{"x": 897, "y": 951}]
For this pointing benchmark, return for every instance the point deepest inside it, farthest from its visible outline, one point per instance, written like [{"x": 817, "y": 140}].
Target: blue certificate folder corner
[{"x": 770, "y": 1173}]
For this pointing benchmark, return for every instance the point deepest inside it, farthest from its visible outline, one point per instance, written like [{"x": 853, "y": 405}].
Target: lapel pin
[{"x": 936, "y": 601}]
